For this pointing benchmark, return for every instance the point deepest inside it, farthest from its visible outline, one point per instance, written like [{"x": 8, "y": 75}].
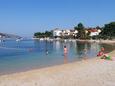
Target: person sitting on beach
[
  {"x": 101, "y": 52},
  {"x": 105, "y": 56},
  {"x": 102, "y": 48},
  {"x": 65, "y": 50}
]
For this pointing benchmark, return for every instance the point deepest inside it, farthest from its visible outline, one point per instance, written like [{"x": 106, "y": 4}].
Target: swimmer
[{"x": 46, "y": 52}]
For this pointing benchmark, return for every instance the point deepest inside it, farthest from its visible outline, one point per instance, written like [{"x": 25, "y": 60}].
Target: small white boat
[
  {"x": 65, "y": 40},
  {"x": 41, "y": 39}
]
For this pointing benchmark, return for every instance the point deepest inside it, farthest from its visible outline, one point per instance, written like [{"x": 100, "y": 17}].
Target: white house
[
  {"x": 57, "y": 33},
  {"x": 75, "y": 33},
  {"x": 64, "y": 33},
  {"x": 94, "y": 32}
]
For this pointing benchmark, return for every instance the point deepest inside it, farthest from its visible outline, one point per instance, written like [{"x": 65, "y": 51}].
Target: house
[
  {"x": 64, "y": 33},
  {"x": 57, "y": 32},
  {"x": 93, "y": 31},
  {"x": 75, "y": 33}
]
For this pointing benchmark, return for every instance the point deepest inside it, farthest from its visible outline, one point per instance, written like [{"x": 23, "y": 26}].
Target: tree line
[
  {"x": 107, "y": 32},
  {"x": 43, "y": 34}
]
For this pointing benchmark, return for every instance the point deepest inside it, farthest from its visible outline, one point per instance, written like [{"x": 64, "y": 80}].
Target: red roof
[{"x": 92, "y": 30}]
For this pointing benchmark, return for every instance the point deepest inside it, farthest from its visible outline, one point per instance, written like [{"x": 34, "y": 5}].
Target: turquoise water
[{"x": 31, "y": 54}]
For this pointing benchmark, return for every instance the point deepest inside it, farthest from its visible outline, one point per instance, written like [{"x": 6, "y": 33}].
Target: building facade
[{"x": 64, "y": 33}]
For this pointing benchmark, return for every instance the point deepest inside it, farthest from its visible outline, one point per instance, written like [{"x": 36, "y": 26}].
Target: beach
[
  {"x": 91, "y": 72},
  {"x": 57, "y": 43}
]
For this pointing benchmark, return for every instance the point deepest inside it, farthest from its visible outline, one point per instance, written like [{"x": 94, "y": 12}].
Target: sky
[{"x": 25, "y": 17}]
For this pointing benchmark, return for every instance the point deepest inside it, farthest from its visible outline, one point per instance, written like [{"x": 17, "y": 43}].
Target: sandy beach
[{"x": 91, "y": 72}]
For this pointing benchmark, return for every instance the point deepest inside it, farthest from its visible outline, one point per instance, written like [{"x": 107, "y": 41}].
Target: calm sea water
[{"x": 31, "y": 54}]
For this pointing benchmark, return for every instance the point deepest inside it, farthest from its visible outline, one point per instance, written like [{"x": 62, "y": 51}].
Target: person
[
  {"x": 102, "y": 48},
  {"x": 104, "y": 55},
  {"x": 101, "y": 52},
  {"x": 65, "y": 50},
  {"x": 46, "y": 52},
  {"x": 65, "y": 54}
]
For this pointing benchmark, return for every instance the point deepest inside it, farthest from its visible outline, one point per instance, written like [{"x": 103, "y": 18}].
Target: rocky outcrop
[{"x": 5, "y": 35}]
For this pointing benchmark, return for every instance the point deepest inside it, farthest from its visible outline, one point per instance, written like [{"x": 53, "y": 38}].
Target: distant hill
[{"x": 5, "y": 35}]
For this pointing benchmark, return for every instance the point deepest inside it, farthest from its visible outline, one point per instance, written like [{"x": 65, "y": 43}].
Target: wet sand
[{"x": 91, "y": 72}]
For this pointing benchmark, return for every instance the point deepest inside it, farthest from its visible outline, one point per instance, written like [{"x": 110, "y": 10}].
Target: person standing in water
[
  {"x": 65, "y": 55},
  {"x": 65, "y": 50}
]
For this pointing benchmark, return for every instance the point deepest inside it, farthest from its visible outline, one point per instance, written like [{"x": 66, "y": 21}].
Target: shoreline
[
  {"x": 97, "y": 41},
  {"x": 90, "y": 72}
]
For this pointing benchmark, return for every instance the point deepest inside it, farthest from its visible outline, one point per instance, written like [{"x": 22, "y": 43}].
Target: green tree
[
  {"x": 79, "y": 27},
  {"x": 43, "y": 34},
  {"x": 48, "y": 34},
  {"x": 81, "y": 31},
  {"x": 37, "y": 34},
  {"x": 108, "y": 31}
]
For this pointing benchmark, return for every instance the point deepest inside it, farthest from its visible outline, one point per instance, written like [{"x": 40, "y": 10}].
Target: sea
[{"x": 28, "y": 54}]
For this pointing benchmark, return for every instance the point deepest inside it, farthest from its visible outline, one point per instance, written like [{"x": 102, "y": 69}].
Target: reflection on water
[
  {"x": 75, "y": 49},
  {"x": 28, "y": 54},
  {"x": 65, "y": 59},
  {"x": 57, "y": 43}
]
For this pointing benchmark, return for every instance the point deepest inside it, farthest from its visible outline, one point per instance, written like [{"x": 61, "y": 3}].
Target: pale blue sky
[{"x": 24, "y": 17}]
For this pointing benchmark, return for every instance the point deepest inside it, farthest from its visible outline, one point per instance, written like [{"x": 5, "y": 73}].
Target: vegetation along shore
[{"x": 106, "y": 32}]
